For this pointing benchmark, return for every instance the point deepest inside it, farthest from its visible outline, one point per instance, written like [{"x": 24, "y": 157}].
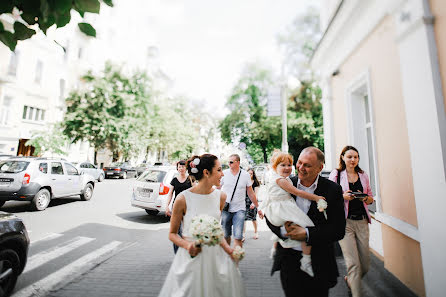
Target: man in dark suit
[{"x": 321, "y": 237}]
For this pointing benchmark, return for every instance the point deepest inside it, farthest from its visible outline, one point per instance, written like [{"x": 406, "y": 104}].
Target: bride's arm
[
  {"x": 224, "y": 244},
  {"x": 179, "y": 209}
]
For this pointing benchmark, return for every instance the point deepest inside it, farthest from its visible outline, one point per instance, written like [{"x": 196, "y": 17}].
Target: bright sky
[{"x": 203, "y": 44}]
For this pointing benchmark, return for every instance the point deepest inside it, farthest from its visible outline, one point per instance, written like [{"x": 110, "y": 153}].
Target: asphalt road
[{"x": 72, "y": 236}]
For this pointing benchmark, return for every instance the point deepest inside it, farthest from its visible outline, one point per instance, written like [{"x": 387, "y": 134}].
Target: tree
[
  {"x": 111, "y": 111},
  {"x": 28, "y": 14},
  {"x": 248, "y": 121},
  {"x": 49, "y": 141}
]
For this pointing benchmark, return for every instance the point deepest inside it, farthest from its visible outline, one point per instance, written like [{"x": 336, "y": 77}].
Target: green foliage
[
  {"x": 44, "y": 14},
  {"x": 112, "y": 111},
  {"x": 52, "y": 141},
  {"x": 247, "y": 121}
]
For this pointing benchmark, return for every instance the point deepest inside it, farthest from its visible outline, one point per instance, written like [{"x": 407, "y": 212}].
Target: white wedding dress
[{"x": 212, "y": 273}]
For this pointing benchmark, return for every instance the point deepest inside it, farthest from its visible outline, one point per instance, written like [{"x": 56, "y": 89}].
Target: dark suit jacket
[{"x": 323, "y": 235}]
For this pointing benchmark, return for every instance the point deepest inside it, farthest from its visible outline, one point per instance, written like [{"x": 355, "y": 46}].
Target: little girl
[{"x": 280, "y": 207}]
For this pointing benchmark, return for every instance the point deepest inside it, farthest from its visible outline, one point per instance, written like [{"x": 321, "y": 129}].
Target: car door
[
  {"x": 74, "y": 179},
  {"x": 58, "y": 180},
  {"x": 93, "y": 171}
]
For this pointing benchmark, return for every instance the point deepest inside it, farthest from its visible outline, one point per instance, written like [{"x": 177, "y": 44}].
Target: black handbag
[{"x": 226, "y": 207}]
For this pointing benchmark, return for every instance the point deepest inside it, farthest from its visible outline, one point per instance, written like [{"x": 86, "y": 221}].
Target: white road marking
[
  {"x": 69, "y": 272},
  {"x": 48, "y": 237},
  {"x": 57, "y": 251}
]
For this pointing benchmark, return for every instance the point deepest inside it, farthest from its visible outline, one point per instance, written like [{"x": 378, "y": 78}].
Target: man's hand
[
  {"x": 295, "y": 232},
  {"x": 252, "y": 206},
  {"x": 261, "y": 214}
]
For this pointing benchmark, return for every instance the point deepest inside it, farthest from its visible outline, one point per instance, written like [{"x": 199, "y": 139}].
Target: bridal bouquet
[
  {"x": 239, "y": 253},
  {"x": 206, "y": 230}
]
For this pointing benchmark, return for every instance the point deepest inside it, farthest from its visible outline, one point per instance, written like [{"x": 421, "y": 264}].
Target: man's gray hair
[
  {"x": 314, "y": 150},
  {"x": 237, "y": 157}
]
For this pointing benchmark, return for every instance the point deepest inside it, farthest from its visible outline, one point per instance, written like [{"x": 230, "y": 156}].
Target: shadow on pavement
[
  {"x": 143, "y": 218},
  {"x": 24, "y": 206}
]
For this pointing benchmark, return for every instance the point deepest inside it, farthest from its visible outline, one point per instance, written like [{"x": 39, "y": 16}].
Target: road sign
[{"x": 274, "y": 99}]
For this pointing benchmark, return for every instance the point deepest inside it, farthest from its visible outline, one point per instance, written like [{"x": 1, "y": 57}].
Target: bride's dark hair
[{"x": 207, "y": 161}]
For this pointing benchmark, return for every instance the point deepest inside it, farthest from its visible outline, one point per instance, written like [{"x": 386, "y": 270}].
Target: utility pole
[{"x": 283, "y": 104}]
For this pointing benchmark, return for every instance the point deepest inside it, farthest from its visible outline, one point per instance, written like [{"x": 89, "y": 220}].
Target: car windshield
[
  {"x": 116, "y": 164},
  {"x": 154, "y": 176},
  {"x": 13, "y": 166}
]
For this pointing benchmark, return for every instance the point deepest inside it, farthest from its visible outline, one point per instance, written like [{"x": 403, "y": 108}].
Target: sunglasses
[{"x": 232, "y": 162}]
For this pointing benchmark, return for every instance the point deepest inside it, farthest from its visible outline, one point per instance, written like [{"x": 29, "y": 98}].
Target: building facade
[{"x": 382, "y": 67}]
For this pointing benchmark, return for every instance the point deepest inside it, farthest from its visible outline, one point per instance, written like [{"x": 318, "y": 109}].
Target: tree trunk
[
  {"x": 115, "y": 156},
  {"x": 265, "y": 156},
  {"x": 95, "y": 161}
]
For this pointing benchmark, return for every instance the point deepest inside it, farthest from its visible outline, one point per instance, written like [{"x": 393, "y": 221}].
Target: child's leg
[
  {"x": 306, "y": 250},
  {"x": 305, "y": 262}
]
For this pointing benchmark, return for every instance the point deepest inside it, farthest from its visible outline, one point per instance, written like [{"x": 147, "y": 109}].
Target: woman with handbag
[
  {"x": 357, "y": 195},
  {"x": 251, "y": 209}
]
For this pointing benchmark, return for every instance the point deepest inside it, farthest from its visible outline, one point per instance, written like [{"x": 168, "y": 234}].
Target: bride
[{"x": 207, "y": 271}]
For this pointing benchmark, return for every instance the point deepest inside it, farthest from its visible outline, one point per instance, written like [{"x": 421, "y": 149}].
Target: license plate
[
  {"x": 4, "y": 184},
  {"x": 144, "y": 192},
  {"x": 110, "y": 173}
]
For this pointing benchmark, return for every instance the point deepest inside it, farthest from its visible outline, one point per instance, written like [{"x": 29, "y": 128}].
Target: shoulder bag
[{"x": 226, "y": 207}]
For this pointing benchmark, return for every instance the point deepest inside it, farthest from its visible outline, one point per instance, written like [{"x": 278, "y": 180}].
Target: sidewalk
[{"x": 140, "y": 270}]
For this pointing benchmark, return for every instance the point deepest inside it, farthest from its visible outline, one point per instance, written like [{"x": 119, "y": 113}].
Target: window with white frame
[
  {"x": 362, "y": 132},
  {"x": 13, "y": 63},
  {"x": 5, "y": 110},
  {"x": 33, "y": 114},
  {"x": 39, "y": 71},
  {"x": 62, "y": 90}
]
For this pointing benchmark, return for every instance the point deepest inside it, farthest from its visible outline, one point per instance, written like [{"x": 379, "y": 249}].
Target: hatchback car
[
  {"x": 39, "y": 180},
  {"x": 14, "y": 244},
  {"x": 151, "y": 189},
  {"x": 120, "y": 170},
  {"x": 87, "y": 167}
]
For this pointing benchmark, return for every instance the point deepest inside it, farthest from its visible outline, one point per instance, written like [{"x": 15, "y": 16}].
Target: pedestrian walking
[
  {"x": 236, "y": 183},
  {"x": 251, "y": 210},
  {"x": 357, "y": 195},
  {"x": 178, "y": 185}
]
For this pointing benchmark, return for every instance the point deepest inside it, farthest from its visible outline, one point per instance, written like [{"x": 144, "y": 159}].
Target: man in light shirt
[
  {"x": 233, "y": 220},
  {"x": 321, "y": 237}
]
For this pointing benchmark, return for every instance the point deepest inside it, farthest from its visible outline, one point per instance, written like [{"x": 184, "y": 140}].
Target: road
[{"x": 72, "y": 236}]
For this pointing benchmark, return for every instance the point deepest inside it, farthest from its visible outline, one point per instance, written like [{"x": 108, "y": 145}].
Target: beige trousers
[{"x": 355, "y": 248}]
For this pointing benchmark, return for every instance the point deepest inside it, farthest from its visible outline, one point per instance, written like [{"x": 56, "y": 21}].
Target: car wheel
[
  {"x": 101, "y": 177},
  {"x": 152, "y": 212},
  {"x": 41, "y": 200},
  {"x": 124, "y": 175},
  {"x": 1, "y": 204},
  {"x": 87, "y": 193},
  {"x": 9, "y": 271}
]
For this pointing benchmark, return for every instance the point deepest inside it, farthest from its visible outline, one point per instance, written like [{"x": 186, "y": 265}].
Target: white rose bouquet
[
  {"x": 238, "y": 254},
  {"x": 206, "y": 230}
]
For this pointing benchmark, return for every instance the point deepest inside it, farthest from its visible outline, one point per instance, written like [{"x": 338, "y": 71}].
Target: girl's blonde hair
[{"x": 280, "y": 157}]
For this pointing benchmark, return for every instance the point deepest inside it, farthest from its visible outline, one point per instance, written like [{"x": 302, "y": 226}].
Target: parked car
[
  {"x": 4, "y": 156},
  {"x": 39, "y": 180},
  {"x": 87, "y": 167},
  {"x": 14, "y": 244},
  {"x": 141, "y": 168},
  {"x": 120, "y": 170},
  {"x": 151, "y": 188}
]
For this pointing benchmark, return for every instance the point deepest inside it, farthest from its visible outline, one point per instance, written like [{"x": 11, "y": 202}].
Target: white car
[
  {"x": 151, "y": 189},
  {"x": 87, "y": 167}
]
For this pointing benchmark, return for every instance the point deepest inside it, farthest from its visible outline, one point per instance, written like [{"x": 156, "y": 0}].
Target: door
[
  {"x": 74, "y": 179},
  {"x": 58, "y": 180}
]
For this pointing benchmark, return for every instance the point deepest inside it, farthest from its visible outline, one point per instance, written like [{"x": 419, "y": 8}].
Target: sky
[{"x": 203, "y": 44}]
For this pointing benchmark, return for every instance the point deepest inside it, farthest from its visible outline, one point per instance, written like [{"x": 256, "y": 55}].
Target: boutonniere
[{"x": 322, "y": 206}]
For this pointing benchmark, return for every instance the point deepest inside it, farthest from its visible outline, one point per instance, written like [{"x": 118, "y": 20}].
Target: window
[
  {"x": 43, "y": 167},
  {"x": 39, "y": 71},
  {"x": 56, "y": 168},
  {"x": 84, "y": 165},
  {"x": 13, "y": 63},
  {"x": 362, "y": 132},
  {"x": 5, "y": 110},
  {"x": 71, "y": 170},
  {"x": 33, "y": 114},
  {"x": 80, "y": 53}
]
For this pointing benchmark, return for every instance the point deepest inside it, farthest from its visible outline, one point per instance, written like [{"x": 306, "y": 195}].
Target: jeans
[{"x": 233, "y": 221}]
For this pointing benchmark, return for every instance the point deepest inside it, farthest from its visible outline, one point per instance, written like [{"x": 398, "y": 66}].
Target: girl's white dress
[
  {"x": 212, "y": 273},
  {"x": 279, "y": 207}
]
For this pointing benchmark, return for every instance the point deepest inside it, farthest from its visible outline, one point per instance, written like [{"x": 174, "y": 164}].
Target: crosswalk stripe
[
  {"x": 48, "y": 237},
  {"x": 69, "y": 272},
  {"x": 57, "y": 251}
]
